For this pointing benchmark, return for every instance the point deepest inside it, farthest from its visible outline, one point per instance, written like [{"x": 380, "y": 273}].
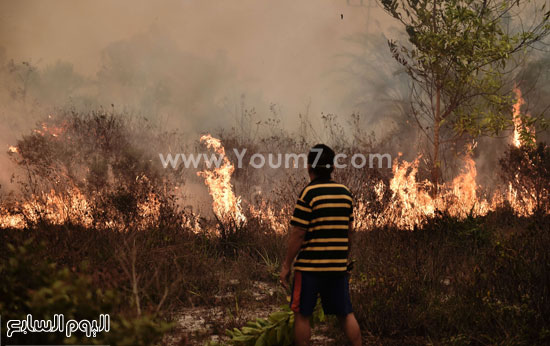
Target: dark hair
[{"x": 325, "y": 160}]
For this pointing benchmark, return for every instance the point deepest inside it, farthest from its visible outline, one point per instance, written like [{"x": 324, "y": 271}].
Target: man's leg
[
  {"x": 302, "y": 329},
  {"x": 351, "y": 328}
]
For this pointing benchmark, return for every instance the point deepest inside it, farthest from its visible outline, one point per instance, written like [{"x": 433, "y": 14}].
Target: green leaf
[
  {"x": 261, "y": 341},
  {"x": 249, "y": 330},
  {"x": 243, "y": 338}
]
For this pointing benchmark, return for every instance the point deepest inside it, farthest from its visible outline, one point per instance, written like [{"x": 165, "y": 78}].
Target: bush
[
  {"x": 460, "y": 282},
  {"x": 33, "y": 286}
]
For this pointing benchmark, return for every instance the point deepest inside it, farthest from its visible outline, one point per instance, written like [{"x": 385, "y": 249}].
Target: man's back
[
  {"x": 325, "y": 209},
  {"x": 319, "y": 240}
]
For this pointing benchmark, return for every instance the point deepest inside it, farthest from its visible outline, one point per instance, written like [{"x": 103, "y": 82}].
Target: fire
[
  {"x": 71, "y": 206},
  {"x": 49, "y": 207},
  {"x": 226, "y": 206},
  {"x": 411, "y": 203},
  {"x": 516, "y": 140},
  {"x": 518, "y": 123},
  {"x": 274, "y": 220},
  {"x": 403, "y": 202},
  {"x": 522, "y": 207},
  {"x": 462, "y": 197},
  {"x": 52, "y": 130}
]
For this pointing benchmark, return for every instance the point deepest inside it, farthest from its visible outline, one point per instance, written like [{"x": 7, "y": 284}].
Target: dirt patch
[{"x": 198, "y": 325}]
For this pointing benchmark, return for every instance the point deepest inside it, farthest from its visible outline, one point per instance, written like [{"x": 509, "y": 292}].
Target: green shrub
[{"x": 33, "y": 286}]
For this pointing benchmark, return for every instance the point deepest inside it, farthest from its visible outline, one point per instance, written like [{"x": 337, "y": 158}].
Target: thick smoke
[{"x": 200, "y": 65}]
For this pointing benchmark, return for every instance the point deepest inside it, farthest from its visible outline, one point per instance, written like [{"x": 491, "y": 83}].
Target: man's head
[{"x": 320, "y": 161}]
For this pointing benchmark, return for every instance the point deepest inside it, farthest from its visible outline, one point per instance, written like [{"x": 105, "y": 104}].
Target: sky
[
  {"x": 194, "y": 65},
  {"x": 290, "y": 53}
]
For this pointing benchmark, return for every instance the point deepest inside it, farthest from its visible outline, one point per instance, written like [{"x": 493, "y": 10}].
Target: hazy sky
[{"x": 286, "y": 51}]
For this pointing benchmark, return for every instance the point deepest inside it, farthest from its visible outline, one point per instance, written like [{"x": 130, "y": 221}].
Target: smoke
[
  {"x": 201, "y": 66},
  {"x": 191, "y": 65},
  {"x": 189, "y": 61}
]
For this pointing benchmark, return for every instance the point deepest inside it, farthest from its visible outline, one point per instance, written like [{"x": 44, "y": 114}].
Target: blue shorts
[{"x": 333, "y": 289}]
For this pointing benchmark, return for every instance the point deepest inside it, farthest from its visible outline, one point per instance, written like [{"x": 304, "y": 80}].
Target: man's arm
[
  {"x": 297, "y": 235},
  {"x": 351, "y": 234}
]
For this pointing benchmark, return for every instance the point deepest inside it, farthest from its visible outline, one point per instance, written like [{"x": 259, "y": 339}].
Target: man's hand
[
  {"x": 284, "y": 276},
  {"x": 297, "y": 235}
]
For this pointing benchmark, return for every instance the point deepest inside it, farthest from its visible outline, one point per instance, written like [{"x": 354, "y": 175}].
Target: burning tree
[{"x": 457, "y": 60}]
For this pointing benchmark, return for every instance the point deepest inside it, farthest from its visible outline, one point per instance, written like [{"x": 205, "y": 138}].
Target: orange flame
[
  {"x": 73, "y": 207},
  {"x": 522, "y": 207},
  {"x": 226, "y": 206},
  {"x": 49, "y": 207},
  {"x": 518, "y": 122},
  {"x": 277, "y": 221},
  {"x": 409, "y": 206},
  {"x": 411, "y": 203}
]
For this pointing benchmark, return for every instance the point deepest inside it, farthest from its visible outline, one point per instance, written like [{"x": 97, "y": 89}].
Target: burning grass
[{"x": 90, "y": 192}]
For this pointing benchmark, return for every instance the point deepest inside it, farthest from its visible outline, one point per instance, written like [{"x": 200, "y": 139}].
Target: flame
[
  {"x": 191, "y": 222},
  {"x": 462, "y": 198},
  {"x": 409, "y": 205},
  {"x": 226, "y": 206},
  {"x": 522, "y": 206},
  {"x": 73, "y": 207},
  {"x": 518, "y": 122},
  {"x": 411, "y": 202},
  {"x": 51, "y": 207},
  {"x": 52, "y": 130},
  {"x": 276, "y": 221},
  {"x": 516, "y": 140}
]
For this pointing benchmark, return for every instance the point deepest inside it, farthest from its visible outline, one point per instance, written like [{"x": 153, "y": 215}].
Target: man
[{"x": 320, "y": 235}]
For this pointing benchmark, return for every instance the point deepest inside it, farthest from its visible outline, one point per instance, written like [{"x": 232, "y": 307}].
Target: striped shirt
[{"x": 325, "y": 210}]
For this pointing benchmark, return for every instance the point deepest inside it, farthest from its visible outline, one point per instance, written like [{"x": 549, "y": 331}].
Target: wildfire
[
  {"x": 518, "y": 123},
  {"x": 275, "y": 221},
  {"x": 71, "y": 206},
  {"x": 50, "y": 207},
  {"x": 226, "y": 206},
  {"x": 411, "y": 202},
  {"x": 404, "y": 202},
  {"x": 522, "y": 207}
]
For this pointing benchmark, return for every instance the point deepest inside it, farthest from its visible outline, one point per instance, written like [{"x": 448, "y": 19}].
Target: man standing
[{"x": 320, "y": 235}]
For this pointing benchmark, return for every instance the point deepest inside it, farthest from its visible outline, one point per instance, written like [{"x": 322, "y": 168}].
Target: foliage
[
  {"x": 37, "y": 287},
  {"x": 277, "y": 329},
  {"x": 457, "y": 59}
]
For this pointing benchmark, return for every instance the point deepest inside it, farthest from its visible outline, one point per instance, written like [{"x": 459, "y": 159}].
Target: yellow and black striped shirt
[{"x": 325, "y": 209}]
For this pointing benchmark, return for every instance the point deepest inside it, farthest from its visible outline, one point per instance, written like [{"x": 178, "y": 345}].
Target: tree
[{"x": 457, "y": 59}]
